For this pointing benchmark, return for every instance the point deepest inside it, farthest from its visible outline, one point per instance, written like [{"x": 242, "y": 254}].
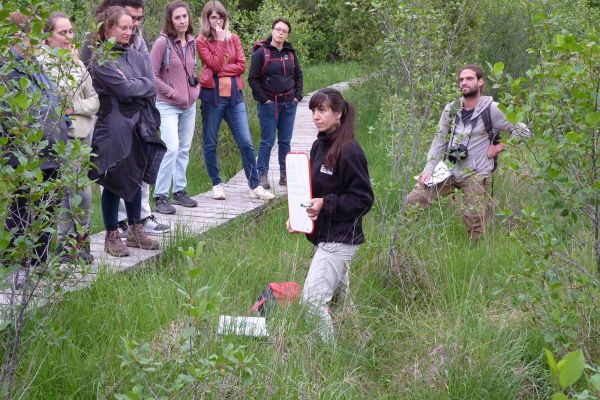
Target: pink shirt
[{"x": 173, "y": 86}]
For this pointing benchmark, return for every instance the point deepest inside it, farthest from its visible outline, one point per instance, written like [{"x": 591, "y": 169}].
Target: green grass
[{"x": 448, "y": 332}]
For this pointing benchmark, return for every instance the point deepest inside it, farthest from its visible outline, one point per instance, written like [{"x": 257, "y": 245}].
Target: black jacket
[
  {"x": 45, "y": 111},
  {"x": 282, "y": 77},
  {"x": 126, "y": 142},
  {"x": 346, "y": 192}
]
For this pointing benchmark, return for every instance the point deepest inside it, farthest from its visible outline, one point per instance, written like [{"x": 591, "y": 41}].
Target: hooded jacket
[
  {"x": 173, "y": 86},
  {"x": 473, "y": 136},
  {"x": 346, "y": 191},
  {"x": 126, "y": 142},
  {"x": 45, "y": 116},
  {"x": 282, "y": 76}
]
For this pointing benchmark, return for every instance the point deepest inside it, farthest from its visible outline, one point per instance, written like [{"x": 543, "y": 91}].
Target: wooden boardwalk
[{"x": 208, "y": 214}]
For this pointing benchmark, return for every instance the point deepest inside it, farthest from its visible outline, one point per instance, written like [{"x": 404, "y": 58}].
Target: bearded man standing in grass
[{"x": 468, "y": 141}]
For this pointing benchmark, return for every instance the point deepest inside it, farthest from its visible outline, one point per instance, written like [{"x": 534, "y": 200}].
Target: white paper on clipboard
[{"x": 297, "y": 166}]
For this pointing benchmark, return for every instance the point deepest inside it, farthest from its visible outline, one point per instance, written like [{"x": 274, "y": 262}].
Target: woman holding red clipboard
[{"x": 342, "y": 195}]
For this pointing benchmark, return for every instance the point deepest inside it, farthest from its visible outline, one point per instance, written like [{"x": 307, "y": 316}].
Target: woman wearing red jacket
[{"x": 223, "y": 64}]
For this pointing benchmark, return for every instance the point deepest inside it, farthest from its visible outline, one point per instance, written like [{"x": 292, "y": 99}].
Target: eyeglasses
[
  {"x": 216, "y": 18},
  {"x": 281, "y": 30}
]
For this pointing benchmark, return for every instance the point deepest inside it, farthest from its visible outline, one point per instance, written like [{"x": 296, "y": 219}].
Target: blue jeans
[
  {"x": 237, "y": 120},
  {"x": 176, "y": 130},
  {"x": 110, "y": 209},
  {"x": 282, "y": 125}
]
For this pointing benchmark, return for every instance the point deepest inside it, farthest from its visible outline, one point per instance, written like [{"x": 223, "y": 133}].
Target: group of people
[
  {"x": 120, "y": 96},
  {"x": 137, "y": 110}
]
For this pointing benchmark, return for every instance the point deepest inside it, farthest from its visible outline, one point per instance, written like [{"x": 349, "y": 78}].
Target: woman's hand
[
  {"x": 289, "y": 228},
  {"x": 316, "y": 205},
  {"x": 222, "y": 35}
]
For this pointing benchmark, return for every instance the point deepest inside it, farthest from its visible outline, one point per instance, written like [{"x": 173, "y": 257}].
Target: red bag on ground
[{"x": 282, "y": 292}]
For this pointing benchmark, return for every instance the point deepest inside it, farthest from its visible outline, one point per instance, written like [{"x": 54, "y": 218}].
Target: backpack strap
[
  {"x": 267, "y": 59},
  {"x": 164, "y": 64},
  {"x": 489, "y": 128}
]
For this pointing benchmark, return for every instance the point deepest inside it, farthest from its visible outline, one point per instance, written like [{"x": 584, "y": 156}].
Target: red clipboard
[{"x": 299, "y": 191}]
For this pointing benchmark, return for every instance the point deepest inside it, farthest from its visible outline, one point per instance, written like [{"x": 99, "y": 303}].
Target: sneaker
[
  {"x": 259, "y": 192},
  {"x": 218, "y": 192},
  {"x": 122, "y": 227},
  {"x": 162, "y": 205},
  {"x": 153, "y": 228},
  {"x": 282, "y": 180},
  {"x": 264, "y": 182},
  {"x": 181, "y": 198}
]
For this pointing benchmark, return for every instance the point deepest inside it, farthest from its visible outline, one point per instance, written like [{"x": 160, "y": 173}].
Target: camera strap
[{"x": 183, "y": 56}]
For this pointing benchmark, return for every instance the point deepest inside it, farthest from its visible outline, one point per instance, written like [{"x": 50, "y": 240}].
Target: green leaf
[
  {"x": 559, "y": 396},
  {"x": 570, "y": 368},
  {"x": 593, "y": 118},
  {"x": 188, "y": 332},
  {"x": 595, "y": 381},
  {"x": 551, "y": 362},
  {"x": 22, "y": 100},
  {"x": 4, "y": 325},
  {"x": 498, "y": 68}
]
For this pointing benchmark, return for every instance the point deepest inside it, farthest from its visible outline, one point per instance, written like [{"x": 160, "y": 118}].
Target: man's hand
[
  {"x": 315, "y": 208},
  {"x": 495, "y": 149},
  {"x": 424, "y": 178}
]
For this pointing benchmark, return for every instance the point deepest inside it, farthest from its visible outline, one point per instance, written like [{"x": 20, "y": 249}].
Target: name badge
[{"x": 326, "y": 170}]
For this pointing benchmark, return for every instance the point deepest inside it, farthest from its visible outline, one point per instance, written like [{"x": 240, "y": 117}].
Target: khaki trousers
[
  {"x": 328, "y": 277},
  {"x": 476, "y": 197}
]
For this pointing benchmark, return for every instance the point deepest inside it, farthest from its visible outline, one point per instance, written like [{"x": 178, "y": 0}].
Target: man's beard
[{"x": 471, "y": 93}]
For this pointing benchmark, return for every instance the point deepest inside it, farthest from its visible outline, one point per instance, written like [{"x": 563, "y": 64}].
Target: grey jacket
[{"x": 473, "y": 136}]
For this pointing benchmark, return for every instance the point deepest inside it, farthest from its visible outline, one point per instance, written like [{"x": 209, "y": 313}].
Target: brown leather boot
[
  {"x": 113, "y": 244},
  {"x": 136, "y": 237}
]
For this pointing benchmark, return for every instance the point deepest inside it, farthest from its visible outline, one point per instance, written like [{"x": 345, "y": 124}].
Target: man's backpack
[
  {"x": 267, "y": 52},
  {"x": 282, "y": 293},
  {"x": 489, "y": 128}
]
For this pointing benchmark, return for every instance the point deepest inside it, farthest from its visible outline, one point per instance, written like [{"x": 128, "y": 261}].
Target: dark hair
[
  {"x": 51, "y": 21},
  {"x": 121, "y": 3},
  {"x": 478, "y": 73},
  {"x": 168, "y": 27},
  {"x": 109, "y": 18},
  {"x": 333, "y": 99},
  {"x": 285, "y": 21}
]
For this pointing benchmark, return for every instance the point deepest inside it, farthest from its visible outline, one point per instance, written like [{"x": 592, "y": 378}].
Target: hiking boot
[
  {"x": 218, "y": 192},
  {"x": 122, "y": 227},
  {"x": 259, "y": 192},
  {"x": 154, "y": 228},
  {"x": 162, "y": 205},
  {"x": 138, "y": 238},
  {"x": 181, "y": 198},
  {"x": 113, "y": 244},
  {"x": 264, "y": 182},
  {"x": 283, "y": 180}
]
